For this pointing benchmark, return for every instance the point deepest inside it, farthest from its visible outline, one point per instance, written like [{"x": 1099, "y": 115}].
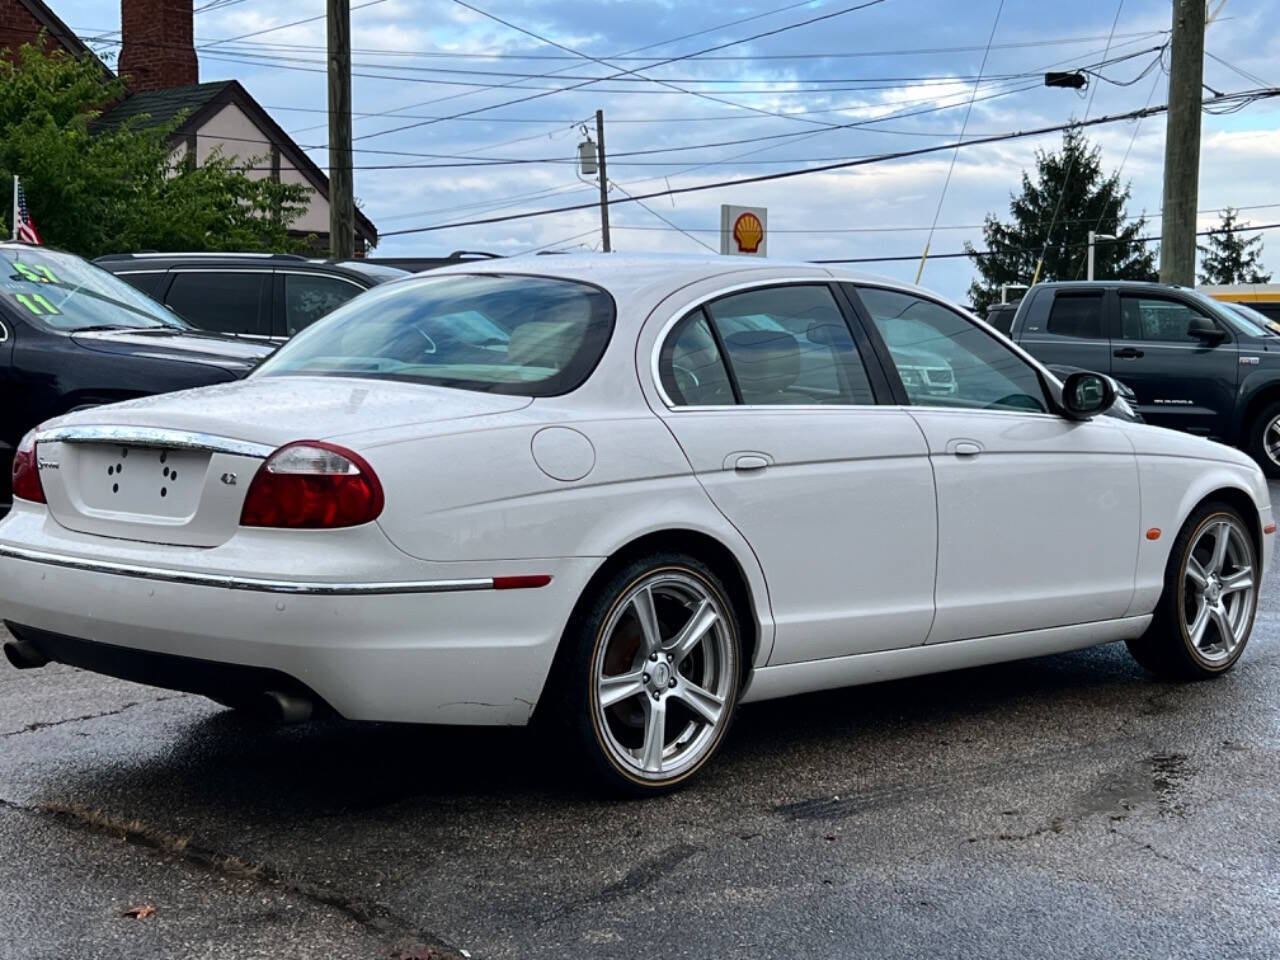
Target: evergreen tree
[
  {"x": 1089, "y": 201},
  {"x": 1230, "y": 256}
]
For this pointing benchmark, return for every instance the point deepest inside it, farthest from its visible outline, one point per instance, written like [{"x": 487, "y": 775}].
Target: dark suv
[
  {"x": 1193, "y": 363},
  {"x": 73, "y": 336},
  {"x": 265, "y": 296}
]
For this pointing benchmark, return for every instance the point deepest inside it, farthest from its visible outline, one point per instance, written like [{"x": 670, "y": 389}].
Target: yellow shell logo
[{"x": 748, "y": 231}]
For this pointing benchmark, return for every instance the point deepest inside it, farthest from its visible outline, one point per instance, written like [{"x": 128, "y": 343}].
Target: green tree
[
  {"x": 95, "y": 189},
  {"x": 1089, "y": 200},
  {"x": 1230, "y": 256}
]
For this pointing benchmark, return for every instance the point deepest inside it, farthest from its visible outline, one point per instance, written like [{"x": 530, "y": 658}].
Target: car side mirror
[
  {"x": 1085, "y": 395},
  {"x": 1202, "y": 328}
]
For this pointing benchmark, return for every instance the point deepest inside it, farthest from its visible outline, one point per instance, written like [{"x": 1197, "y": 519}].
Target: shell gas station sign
[{"x": 744, "y": 231}]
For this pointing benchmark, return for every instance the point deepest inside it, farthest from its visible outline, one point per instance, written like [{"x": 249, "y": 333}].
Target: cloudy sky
[{"x": 902, "y": 71}]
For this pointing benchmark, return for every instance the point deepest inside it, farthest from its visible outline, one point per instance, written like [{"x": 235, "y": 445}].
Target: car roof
[
  {"x": 1127, "y": 284},
  {"x": 631, "y": 275},
  {"x": 291, "y": 261}
]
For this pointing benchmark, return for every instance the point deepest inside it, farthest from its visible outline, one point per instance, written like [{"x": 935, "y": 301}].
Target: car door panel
[
  {"x": 835, "y": 495},
  {"x": 1182, "y": 383},
  {"x": 842, "y": 518},
  {"x": 1037, "y": 515},
  {"x": 1038, "y": 529}
]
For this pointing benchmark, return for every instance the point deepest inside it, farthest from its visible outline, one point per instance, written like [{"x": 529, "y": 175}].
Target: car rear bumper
[{"x": 440, "y": 646}]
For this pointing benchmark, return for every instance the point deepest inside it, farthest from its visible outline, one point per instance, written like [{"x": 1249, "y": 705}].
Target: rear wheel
[
  {"x": 1264, "y": 440},
  {"x": 650, "y": 674},
  {"x": 1206, "y": 613}
]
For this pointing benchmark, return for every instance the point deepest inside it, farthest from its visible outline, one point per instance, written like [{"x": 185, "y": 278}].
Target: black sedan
[{"x": 73, "y": 336}]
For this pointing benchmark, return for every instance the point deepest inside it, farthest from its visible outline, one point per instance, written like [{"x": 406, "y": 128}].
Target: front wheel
[
  {"x": 1206, "y": 613},
  {"x": 650, "y": 674},
  {"x": 1264, "y": 440}
]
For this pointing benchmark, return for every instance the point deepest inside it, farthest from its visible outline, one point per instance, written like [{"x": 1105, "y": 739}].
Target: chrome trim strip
[
  {"x": 155, "y": 437},
  {"x": 295, "y": 587},
  {"x": 4, "y": 333}
]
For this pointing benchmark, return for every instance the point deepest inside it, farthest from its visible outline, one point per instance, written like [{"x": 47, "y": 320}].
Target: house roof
[
  {"x": 59, "y": 32},
  {"x": 202, "y": 101}
]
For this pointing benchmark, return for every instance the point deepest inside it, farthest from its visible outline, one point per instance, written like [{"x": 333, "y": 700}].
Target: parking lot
[{"x": 1067, "y": 806}]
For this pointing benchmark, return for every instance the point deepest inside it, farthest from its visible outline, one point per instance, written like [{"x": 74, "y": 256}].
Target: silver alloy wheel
[
  {"x": 665, "y": 675},
  {"x": 1218, "y": 590},
  {"x": 1271, "y": 440}
]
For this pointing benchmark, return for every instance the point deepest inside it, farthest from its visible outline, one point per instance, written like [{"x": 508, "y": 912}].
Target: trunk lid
[{"x": 175, "y": 468}]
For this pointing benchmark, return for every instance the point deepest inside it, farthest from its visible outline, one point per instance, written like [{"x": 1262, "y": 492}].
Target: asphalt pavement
[{"x": 1068, "y": 806}]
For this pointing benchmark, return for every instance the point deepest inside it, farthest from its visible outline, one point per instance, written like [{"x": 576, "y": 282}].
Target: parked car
[
  {"x": 72, "y": 336},
  {"x": 625, "y": 516},
  {"x": 268, "y": 297},
  {"x": 1000, "y": 316},
  {"x": 1262, "y": 297},
  {"x": 1194, "y": 364}
]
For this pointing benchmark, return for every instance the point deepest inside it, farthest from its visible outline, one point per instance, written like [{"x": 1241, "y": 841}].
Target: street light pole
[{"x": 1093, "y": 236}]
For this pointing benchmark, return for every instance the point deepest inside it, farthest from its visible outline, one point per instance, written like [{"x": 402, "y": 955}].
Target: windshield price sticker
[{"x": 37, "y": 303}]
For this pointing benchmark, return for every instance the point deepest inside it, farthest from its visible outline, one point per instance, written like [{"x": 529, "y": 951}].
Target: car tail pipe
[
  {"x": 24, "y": 655},
  {"x": 286, "y": 707}
]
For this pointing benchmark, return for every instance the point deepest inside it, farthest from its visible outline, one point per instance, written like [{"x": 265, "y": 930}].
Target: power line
[
  {"x": 1093, "y": 90},
  {"x": 282, "y": 26},
  {"x": 1017, "y": 250},
  {"x": 827, "y": 168},
  {"x": 963, "y": 127},
  {"x": 721, "y": 46}
]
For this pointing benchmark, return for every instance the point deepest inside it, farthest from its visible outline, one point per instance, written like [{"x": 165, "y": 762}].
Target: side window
[
  {"x": 945, "y": 361},
  {"x": 790, "y": 345},
  {"x": 691, "y": 368},
  {"x": 222, "y": 301},
  {"x": 1077, "y": 315},
  {"x": 146, "y": 282},
  {"x": 308, "y": 298},
  {"x": 1154, "y": 318}
]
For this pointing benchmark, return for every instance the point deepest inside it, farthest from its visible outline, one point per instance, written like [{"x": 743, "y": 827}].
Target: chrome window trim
[
  {"x": 154, "y": 437},
  {"x": 253, "y": 584},
  {"x": 215, "y": 269},
  {"x": 326, "y": 276},
  {"x": 758, "y": 284}
]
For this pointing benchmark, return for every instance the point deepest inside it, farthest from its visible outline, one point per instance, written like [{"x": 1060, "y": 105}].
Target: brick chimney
[{"x": 158, "y": 49}]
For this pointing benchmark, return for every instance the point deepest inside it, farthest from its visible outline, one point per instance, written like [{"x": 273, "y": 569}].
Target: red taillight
[
  {"x": 312, "y": 485},
  {"x": 26, "y": 471}
]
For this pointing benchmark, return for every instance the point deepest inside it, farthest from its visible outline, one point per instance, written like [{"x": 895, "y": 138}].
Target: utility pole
[
  {"x": 604, "y": 182},
  {"x": 1182, "y": 145},
  {"x": 342, "y": 202}
]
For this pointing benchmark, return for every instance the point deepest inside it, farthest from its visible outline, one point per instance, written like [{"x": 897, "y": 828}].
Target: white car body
[{"x": 873, "y": 541}]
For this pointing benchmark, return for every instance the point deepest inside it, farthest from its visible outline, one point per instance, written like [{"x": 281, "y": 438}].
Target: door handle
[
  {"x": 749, "y": 463},
  {"x": 1128, "y": 353},
  {"x": 966, "y": 448}
]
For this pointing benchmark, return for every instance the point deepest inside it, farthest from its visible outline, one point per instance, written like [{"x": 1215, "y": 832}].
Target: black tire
[
  {"x": 1257, "y": 447},
  {"x": 571, "y": 703},
  {"x": 1166, "y": 648}
]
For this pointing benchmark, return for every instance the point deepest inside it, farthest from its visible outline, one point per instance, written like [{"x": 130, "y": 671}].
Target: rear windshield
[
  {"x": 529, "y": 336},
  {"x": 64, "y": 292}
]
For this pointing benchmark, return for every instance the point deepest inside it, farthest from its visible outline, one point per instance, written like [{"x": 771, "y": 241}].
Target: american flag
[{"x": 24, "y": 228}]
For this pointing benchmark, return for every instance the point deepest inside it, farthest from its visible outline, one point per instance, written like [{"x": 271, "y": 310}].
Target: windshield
[
  {"x": 1239, "y": 322},
  {"x": 1258, "y": 319},
  {"x": 529, "y": 336},
  {"x": 67, "y": 293}
]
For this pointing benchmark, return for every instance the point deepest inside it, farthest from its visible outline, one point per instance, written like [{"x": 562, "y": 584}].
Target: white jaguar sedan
[{"x": 625, "y": 494}]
